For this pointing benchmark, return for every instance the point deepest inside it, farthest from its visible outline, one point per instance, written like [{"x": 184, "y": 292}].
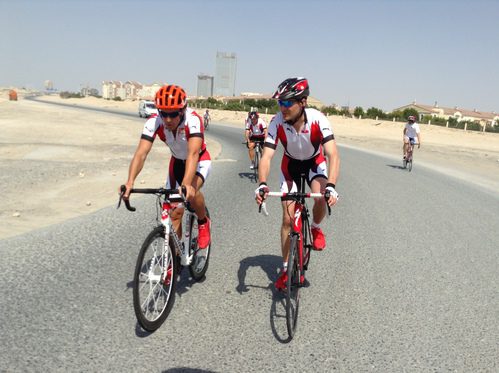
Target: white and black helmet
[{"x": 292, "y": 89}]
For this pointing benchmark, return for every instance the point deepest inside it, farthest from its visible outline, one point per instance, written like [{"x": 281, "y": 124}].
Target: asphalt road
[{"x": 408, "y": 283}]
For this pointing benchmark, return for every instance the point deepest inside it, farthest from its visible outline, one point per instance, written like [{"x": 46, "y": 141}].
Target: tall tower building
[
  {"x": 225, "y": 75},
  {"x": 49, "y": 86},
  {"x": 205, "y": 85}
]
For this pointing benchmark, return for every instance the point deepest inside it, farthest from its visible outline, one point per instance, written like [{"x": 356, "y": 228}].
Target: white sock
[
  {"x": 314, "y": 225},
  {"x": 284, "y": 266}
]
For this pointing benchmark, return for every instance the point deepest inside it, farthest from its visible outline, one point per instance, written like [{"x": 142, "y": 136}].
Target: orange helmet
[{"x": 170, "y": 97}]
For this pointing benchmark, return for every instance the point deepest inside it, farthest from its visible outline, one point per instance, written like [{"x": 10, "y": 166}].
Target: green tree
[
  {"x": 374, "y": 113},
  {"x": 408, "y": 112},
  {"x": 358, "y": 112}
]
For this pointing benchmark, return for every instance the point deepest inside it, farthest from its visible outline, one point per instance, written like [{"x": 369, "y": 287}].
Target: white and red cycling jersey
[
  {"x": 256, "y": 130},
  {"x": 304, "y": 145},
  {"x": 191, "y": 126}
]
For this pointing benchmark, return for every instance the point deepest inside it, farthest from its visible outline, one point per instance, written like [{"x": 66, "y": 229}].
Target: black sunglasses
[{"x": 172, "y": 114}]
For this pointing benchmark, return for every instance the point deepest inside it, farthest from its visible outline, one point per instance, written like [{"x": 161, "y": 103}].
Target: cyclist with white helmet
[
  {"x": 411, "y": 133},
  {"x": 181, "y": 129},
  {"x": 306, "y": 136},
  {"x": 256, "y": 129}
]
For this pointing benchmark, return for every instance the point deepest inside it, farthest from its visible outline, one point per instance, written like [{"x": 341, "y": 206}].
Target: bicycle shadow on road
[
  {"x": 396, "y": 166},
  {"x": 248, "y": 175},
  {"x": 269, "y": 264}
]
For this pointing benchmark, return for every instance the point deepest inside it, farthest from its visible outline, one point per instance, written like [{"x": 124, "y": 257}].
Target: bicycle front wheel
[
  {"x": 154, "y": 281},
  {"x": 293, "y": 287},
  {"x": 409, "y": 165},
  {"x": 200, "y": 257}
]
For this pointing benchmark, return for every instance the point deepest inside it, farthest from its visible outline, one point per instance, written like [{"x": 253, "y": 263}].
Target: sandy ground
[{"x": 57, "y": 163}]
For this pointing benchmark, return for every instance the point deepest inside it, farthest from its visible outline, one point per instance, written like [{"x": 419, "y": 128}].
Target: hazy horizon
[{"x": 358, "y": 53}]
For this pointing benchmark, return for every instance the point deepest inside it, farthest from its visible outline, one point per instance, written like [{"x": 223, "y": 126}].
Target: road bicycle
[
  {"x": 162, "y": 257},
  {"x": 409, "y": 157},
  {"x": 300, "y": 248},
  {"x": 206, "y": 122},
  {"x": 258, "y": 155}
]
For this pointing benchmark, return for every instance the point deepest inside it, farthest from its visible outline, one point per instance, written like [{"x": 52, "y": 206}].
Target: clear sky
[{"x": 367, "y": 53}]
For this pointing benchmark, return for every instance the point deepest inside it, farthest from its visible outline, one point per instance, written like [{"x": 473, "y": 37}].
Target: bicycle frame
[
  {"x": 164, "y": 196},
  {"x": 300, "y": 214},
  {"x": 410, "y": 151},
  {"x": 181, "y": 246}
]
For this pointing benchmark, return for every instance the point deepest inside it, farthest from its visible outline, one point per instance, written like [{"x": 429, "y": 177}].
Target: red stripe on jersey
[
  {"x": 281, "y": 135},
  {"x": 285, "y": 171},
  {"x": 315, "y": 135},
  {"x": 161, "y": 133}
]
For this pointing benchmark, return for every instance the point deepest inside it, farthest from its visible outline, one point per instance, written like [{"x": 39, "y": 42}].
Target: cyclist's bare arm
[
  {"x": 333, "y": 164},
  {"x": 194, "y": 145},
  {"x": 264, "y": 168},
  {"x": 246, "y": 134},
  {"x": 333, "y": 161},
  {"x": 137, "y": 163}
]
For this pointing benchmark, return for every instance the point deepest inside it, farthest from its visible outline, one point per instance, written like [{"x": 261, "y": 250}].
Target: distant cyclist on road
[
  {"x": 207, "y": 118},
  {"x": 304, "y": 133},
  {"x": 256, "y": 129},
  {"x": 411, "y": 133},
  {"x": 180, "y": 128}
]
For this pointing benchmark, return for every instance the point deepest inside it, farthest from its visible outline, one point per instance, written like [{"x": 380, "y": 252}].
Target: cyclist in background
[
  {"x": 303, "y": 132},
  {"x": 180, "y": 128},
  {"x": 207, "y": 118},
  {"x": 411, "y": 132},
  {"x": 256, "y": 129}
]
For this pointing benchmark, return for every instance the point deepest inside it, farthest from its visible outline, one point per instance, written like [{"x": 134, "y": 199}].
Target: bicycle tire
[
  {"x": 159, "y": 290},
  {"x": 409, "y": 165},
  {"x": 293, "y": 287},
  {"x": 201, "y": 258}
]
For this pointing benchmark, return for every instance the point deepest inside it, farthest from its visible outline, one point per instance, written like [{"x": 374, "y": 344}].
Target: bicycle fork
[
  {"x": 297, "y": 226},
  {"x": 185, "y": 258}
]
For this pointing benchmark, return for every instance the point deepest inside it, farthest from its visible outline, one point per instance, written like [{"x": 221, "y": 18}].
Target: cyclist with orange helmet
[
  {"x": 306, "y": 136},
  {"x": 412, "y": 134},
  {"x": 181, "y": 129},
  {"x": 256, "y": 129}
]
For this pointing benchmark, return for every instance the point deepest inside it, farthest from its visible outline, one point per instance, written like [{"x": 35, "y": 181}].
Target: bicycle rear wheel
[
  {"x": 293, "y": 287},
  {"x": 154, "y": 281},
  {"x": 200, "y": 258}
]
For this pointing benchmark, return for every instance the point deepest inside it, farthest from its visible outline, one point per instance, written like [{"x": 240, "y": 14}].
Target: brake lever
[
  {"x": 263, "y": 206},
  {"x": 327, "y": 194},
  {"x": 126, "y": 201}
]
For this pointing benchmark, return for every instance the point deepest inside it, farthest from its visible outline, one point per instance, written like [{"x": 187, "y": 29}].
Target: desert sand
[{"x": 57, "y": 163}]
